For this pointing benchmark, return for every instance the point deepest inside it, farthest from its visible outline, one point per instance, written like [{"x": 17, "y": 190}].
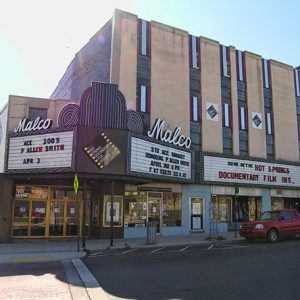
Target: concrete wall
[
  {"x": 91, "y": 63},
  {"x": 211, "y": 93},
  {"x": 124, "y": 55},
  {"x": 170, "y": 77},
  {"x": 284, "y": 112},
  {"x": 255, "y": 100},
  {"x": 19, "y": 108}
]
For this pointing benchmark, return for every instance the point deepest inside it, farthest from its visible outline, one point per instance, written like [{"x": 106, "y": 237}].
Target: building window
[
  {"x": 297, "y": 82},
  {"x": 194, "y": 52},
  {"x": 144, "y": 37},
  {"x": 135, "y": 209},
  {"x": 195, "y": 109},
  {"x": 117, "y": 211},
  {"x": 243, "y": 118},
  {"x": 141, "y": 207},
  {"x": 227, "y": 115},
  {"x": 143, "y": 98},
  {"x": 225, "y": 61},
  {"x": 240, "y": 65},
  {"x": 35, "y": 112},
  {"x": 171, "y": 210},
  {"x": 266, "y": 73},
  {"x": 269, "y": 125}
]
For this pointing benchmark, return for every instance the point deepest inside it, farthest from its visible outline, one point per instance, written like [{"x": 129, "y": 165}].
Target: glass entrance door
[
  {"x": 197, "y": 213},
  {"x": 38, "y": 218},
  {"x": 56, "y": 223},
  {"x": 154, "y": 208}
]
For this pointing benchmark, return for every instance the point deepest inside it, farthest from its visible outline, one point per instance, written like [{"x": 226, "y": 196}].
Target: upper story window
[
  {"x": 195, "y": 109},
  {"x": 35, "y": 112},
  {"x": 226, "y": 115},
  {"x": 243, "y": 118},
  {"x": 266, "y": 73},
  {"x": 194, "y": 51},
  {"x": 269, "y": 123},
  {"x": 225, "y": 61},
  {"x": 144, "y": 37},
  {"x": 297, "y": 82},
  {"x": 143, "y": 95},
  {"x": 240, "y": 64}
]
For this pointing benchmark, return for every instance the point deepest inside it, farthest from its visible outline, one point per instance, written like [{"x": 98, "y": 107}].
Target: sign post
[
  {"x": 76, "y": 186},
  {"x": 236, "y": 191}
]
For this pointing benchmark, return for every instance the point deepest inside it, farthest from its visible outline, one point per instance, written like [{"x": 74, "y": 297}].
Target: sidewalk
[{"x": 49, "y": 250}]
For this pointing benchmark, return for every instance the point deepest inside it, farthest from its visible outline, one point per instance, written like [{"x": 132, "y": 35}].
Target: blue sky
[{"x": 39, "y": 38}]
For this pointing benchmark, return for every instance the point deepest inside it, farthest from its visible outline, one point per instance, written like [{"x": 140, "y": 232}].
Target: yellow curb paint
[{"x": 30, "y": 259}]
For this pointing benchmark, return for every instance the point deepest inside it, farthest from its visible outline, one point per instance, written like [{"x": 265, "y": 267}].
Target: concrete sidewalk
[{"x": 48, "y": 250}]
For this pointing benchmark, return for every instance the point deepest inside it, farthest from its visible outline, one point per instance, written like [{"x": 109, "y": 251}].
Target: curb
[{"x": 145, "y": 246}]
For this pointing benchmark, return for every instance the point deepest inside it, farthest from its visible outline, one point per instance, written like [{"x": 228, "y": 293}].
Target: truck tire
[{"x": 273, "y": 235}]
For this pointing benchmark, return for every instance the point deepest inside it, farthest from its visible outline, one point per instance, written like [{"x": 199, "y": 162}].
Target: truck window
[
  {"x": 286, "y": 215},
  {"x": 295, "y": 214}
]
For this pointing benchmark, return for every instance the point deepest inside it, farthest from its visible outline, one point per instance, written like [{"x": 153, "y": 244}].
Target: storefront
[
  {"x": 49, "y": 211},
  {"x": 112, "y": 159},
  {"x": 242, "y": 189}
]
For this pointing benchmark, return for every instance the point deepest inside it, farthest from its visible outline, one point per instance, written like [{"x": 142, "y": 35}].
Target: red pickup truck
[{"x": 272, "y": 225}]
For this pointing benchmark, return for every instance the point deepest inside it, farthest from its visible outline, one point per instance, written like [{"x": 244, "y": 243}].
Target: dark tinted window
[
  {"x": 295, "y": 214},
  {"x": 287, "y": 215}
]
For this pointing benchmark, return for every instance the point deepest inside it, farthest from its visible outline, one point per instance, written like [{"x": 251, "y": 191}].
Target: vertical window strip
[
  {"x": 269, "y": 123},
  {"x": 144, "y": 37},
  {"x": 195, "y": 109},
  {"x": 224, "y": 60},
  {"x": 297, "y": 84},
  {"x": 226, "y": 115},
  {"x": 240, "y": 65},
  {"x": 266, "y": 73},
  {"x": 143, "y": 99},
  {"x": 242, "y": 118},
  {"x": 194, "y": 52}
]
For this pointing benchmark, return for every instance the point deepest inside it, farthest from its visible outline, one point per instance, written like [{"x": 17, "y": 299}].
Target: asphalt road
[{"x": 227, "y": 271}]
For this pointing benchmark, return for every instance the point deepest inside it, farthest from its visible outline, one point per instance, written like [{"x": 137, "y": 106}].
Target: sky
[{"x": 39, "y": 38}]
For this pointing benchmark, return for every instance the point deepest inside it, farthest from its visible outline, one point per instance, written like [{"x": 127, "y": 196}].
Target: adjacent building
[{"x": 177, "y": 129}]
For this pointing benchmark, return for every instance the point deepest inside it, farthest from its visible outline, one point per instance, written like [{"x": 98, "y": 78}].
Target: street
[{"x": 222, "y": 271}]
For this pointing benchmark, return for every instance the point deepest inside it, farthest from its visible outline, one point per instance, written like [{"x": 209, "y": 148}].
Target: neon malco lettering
[
  {"x": 168, "y": 136},
  {"x": 37, "y": 124}
]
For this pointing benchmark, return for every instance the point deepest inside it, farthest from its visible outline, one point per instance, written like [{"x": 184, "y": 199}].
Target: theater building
[{"x": 201, "y": 134}]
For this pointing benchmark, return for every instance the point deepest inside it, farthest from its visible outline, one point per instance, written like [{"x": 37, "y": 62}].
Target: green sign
[{"x": 76, "y": 184}]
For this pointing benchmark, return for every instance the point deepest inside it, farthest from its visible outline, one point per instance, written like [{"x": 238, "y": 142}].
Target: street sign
[{"x": 76, "y": 184}]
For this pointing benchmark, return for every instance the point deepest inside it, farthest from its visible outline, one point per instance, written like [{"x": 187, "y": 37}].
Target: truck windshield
[{"x": 269, "y": 215}]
